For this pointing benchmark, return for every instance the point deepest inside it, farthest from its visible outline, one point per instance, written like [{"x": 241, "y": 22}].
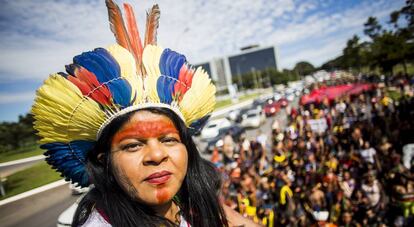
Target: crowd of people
[{"x": 342, "y": 162}]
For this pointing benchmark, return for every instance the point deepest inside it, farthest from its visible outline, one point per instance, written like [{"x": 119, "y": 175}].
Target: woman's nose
[{"x": 155, "y": 153}]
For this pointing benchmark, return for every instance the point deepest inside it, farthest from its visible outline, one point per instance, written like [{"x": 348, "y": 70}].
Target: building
[{"x": 228, "y": 68}]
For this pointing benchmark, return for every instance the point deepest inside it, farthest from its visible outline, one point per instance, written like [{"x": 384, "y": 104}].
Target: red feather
[
  {"x": 117, "y": 25},
  {"x": 184, "y": 81},
  {"x": 86, "y": 81},
  {"x": 85, "y": 89},
  {"x": 133, "y": 32},
  {"x": 152, "y": 25}
]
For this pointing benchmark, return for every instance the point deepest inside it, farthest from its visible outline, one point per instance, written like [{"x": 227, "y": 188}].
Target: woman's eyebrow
[{"x": 145, "y": 130}]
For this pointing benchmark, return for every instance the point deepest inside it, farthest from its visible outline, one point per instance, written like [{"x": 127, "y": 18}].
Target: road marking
[
  {"x": 33, "y": 192},
  {"x": 20, "y": 161}
]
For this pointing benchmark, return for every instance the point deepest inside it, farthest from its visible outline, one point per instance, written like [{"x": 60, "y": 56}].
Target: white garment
[
  {"x": 408, "y": 155},
  {"x": 96, "y": 220},
  {"x": 368, "y": 155},
  {"x": 372, "y": 192},
  {"x": 262, "y": 139}
]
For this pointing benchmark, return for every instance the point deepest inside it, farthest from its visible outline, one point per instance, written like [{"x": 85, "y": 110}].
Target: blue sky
[{"x": 40, "y": 37}]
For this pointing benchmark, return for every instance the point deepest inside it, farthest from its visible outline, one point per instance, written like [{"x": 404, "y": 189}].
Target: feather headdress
[{"x": 71, "y": 109}]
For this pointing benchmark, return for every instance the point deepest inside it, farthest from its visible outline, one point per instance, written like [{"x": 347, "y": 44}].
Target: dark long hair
[{"x": 198, "y": 195}]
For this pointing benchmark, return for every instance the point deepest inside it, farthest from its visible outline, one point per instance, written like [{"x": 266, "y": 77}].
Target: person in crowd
[{"x": 357, "y": 172}]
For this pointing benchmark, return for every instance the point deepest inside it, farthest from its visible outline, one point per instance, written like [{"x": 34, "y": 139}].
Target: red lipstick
[{"x": 159, "y": 177}]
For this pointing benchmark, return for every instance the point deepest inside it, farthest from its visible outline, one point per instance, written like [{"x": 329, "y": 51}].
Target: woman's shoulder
[{"x": 95, "y": 219}]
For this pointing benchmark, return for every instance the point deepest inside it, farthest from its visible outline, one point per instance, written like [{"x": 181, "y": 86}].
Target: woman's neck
[{"x": 168, "y": 210}]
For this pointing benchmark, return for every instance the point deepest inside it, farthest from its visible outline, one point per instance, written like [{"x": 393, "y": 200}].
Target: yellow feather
[
  {"x": 199, "y": 100},
  {"x": 63, "y": 114},
  {"x": 151, "y": 60},
  {"x": 128, "y": 70}
]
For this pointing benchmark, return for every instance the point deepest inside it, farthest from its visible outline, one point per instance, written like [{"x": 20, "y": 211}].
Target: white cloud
[
  {"x": 48, "y": 34},
  {"x": 7, "y": 98}
]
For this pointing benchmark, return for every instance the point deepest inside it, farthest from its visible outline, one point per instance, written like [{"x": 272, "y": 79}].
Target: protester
[
  {"x": 121, "y": 121},
  {"x": 342, "y": 162}
]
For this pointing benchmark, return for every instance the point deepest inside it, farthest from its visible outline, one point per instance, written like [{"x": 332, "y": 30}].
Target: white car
[
  {"x": 66, "y": 217},
  {"x": 233, "y": 115},
  {"x": 76, "y": 190},
  {"x": 212, "y": 128},
  {"x": 253, "y": 119}
]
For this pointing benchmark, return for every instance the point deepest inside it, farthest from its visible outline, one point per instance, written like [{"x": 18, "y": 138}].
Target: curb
[
  {"x": 33, "y": 192},
  {"x": 20, "y": 161}
]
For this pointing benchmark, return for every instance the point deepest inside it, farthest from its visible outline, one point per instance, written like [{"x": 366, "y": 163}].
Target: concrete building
[{"x": 230, "y": 68}]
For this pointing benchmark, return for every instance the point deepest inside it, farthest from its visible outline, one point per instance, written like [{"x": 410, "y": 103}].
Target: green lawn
[
  {"x": 227, "y": 102},
  {"x": 21, "y": 153},
  {"x": 33, "y": 177}
]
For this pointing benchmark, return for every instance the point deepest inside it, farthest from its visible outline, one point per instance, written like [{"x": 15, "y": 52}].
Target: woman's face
[{"x": 149, "y": 158}]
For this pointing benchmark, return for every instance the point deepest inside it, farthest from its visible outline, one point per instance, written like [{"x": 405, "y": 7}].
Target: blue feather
[
  {"x": 63, "y": 74},
  {"x": 105, "y": 67},
  {"x": 121, "y": 92},
  {"x": 163, "y": 61},
  {"x": 165, "y": 88},
  {"x": 198, "y": 125},
  {"x": 177, "y": 61},
  {"x": 110, "y": 63},
  {"x": 69, "y": 162},
  {"x": 85, "y": 61},
  {"x": 160, "y": 88},
  {"x": 170, "y": 65}
]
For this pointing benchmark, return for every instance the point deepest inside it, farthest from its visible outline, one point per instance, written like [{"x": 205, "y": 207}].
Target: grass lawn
[
  {"x": 33, "y": 177},
  {"x": 227, "y": 102},
  {"x": 19, "y": 154}
]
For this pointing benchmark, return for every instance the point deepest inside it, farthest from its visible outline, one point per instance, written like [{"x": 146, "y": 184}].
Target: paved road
[
  {"x": 41, "y": 209},
  {"x": 10, "y": 169},
  {"x": 44, "y": 208}
]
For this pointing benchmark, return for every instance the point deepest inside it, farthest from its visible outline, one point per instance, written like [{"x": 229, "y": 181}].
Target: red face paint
[
  {"x": 162, "y": 195},
  {"x": 144, "y": 130}
]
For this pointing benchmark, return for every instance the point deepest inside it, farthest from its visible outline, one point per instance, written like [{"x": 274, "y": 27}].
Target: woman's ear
[{"x": 101, "y": 158}]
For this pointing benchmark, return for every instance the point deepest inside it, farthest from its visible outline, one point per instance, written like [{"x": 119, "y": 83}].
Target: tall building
[{"x": 223, "y": 70}]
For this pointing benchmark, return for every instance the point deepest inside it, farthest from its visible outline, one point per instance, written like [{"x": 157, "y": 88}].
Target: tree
[
  {"x": 372, "y": 27},
  {"x": 352, "y": 54},
  {"x": 304, "y": 68}
]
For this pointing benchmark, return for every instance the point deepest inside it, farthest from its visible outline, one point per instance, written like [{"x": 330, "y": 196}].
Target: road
[
  {"x": 6, "y": 170},
  {"x": 44, "y": 208},
  {"x": 41, "y": 209}
]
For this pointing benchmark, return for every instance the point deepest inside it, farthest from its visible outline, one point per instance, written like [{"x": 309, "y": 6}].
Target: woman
[
  {"x": 147, "y": 172},
  {"x": 120, "y": 119}
]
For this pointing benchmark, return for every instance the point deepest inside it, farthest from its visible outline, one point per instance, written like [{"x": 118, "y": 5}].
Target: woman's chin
[{"x": 158, "y": 196}]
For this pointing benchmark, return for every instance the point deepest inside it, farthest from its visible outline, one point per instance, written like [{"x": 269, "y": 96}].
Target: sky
[{"x": 38, "y": 38}]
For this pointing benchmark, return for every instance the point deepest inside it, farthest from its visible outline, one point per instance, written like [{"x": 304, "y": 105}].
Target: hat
[{"x": 72, "y": 109}]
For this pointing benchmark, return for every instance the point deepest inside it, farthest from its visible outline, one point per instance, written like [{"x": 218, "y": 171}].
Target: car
[
  {"x": 283, "y": 102},
  {"x": 77, "y": 190},
  {"x": 253, "y": 119},
  {"x": 272, "y": 108},
  {"x": 241, "y": 112},
  {"x": 66, "y": 217},
  {"x": 233, "y": 115},
  {"x": 277, "y": 96},
  {"x": 235, "y": 131},
  {"x": 212, "y": 128},
  {"x": 258, "y": 103}
]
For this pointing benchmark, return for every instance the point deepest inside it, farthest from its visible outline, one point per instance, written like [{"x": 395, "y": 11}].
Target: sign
[{"x": 318, "y": 125}]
